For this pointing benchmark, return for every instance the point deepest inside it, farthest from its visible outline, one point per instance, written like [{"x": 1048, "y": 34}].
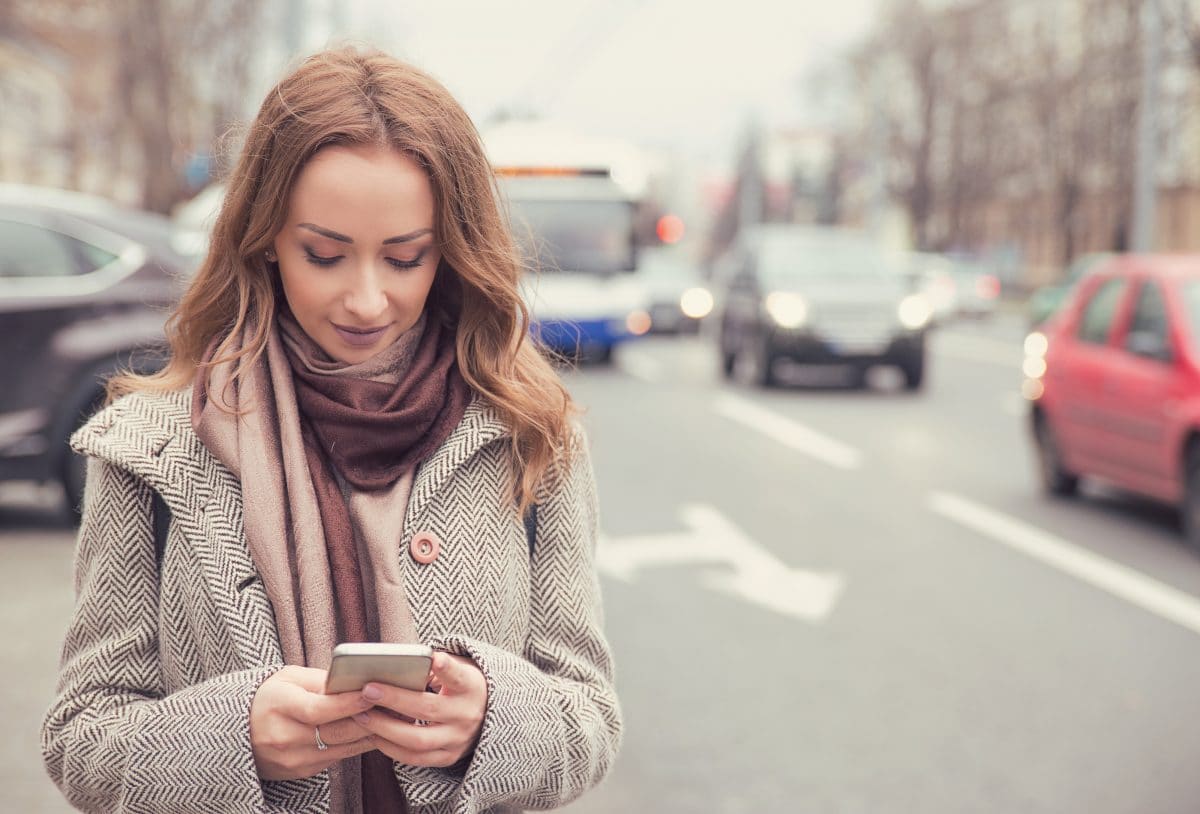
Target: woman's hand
[
  {"x": 436, "y": 729},
  {"x": 286, "y": 712}
]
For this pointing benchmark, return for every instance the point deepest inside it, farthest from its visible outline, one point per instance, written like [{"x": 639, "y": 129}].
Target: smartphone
[{"x": 401, "y": 665}]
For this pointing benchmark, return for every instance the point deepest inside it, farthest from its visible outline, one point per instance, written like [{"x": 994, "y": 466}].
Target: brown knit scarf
[{"x": 369, "y": 431}]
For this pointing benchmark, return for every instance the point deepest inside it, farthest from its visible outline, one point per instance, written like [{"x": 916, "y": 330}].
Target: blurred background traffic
[{"x": 885, "y": 315}]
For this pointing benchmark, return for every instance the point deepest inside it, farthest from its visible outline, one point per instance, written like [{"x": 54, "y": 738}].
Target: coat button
[{"x": 424, "y": 547}]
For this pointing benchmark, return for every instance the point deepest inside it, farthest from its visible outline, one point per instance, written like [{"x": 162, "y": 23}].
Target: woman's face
[{"x": 357, "y": 255}]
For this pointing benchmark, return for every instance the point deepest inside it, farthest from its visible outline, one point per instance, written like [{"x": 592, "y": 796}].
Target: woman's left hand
[{"x": 450, "y": 719}]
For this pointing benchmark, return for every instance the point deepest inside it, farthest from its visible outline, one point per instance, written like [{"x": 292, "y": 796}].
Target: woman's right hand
[{"x": 284, "y": 717}]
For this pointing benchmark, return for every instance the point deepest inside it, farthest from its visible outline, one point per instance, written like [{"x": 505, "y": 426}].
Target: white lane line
[
  {"x": 1120, "y": 581},
  {"x": 788, "y": 432},
  {"x": 639, "y": 366},
  {"x": 978, "y": 349}
]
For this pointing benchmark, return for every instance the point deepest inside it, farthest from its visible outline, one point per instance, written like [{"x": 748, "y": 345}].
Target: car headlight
[
  {"x": 1036, "y": 345},
  {"x": 788, "y": 310},
  {"x": 914, "y": 312},
  {"x": 696, "y": 303}
]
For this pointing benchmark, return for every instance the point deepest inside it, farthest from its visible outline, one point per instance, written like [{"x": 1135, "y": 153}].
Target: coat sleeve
[
  {"x": 111, "y": 740},
  {"x": 552, "y": 726}
]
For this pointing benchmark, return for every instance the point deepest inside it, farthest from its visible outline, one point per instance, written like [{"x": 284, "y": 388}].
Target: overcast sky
[{"x": 682, "y": 74}]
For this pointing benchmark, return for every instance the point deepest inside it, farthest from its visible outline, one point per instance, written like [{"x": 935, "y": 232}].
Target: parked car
[
  {"x": 976, "y": 288},
  {"x": 818, "y": 296},
  {"x": 1114, "y": 383},
  {"x": 84, "y": 290},
  {"x": 677, "y": 298},
  {"x": 1049, "y": 298},
  {"x": 934, "y": 276}
]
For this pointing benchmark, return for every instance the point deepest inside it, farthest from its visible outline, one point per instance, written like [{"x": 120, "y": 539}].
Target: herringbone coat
[{"x": 162, "y": 660}]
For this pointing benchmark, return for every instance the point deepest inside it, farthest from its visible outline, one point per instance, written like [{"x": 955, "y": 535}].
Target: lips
[{"x": 360, "y": 337}]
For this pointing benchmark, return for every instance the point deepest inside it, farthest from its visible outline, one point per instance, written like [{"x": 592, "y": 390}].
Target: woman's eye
[
  {"x": 407, "y": 264},
  {"x": 321, "y": 260}
]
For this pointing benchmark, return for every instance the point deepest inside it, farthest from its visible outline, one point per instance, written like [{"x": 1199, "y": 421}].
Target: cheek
[{"x": 302, "y": 291}]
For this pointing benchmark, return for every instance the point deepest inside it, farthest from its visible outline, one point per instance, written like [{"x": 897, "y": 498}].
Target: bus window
[{"x": 590, "y": 237}]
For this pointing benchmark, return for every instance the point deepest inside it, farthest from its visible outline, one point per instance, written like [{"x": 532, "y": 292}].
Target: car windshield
[
  {"x": 575, "y": 236},
  {"x": 788, "y": 259}
]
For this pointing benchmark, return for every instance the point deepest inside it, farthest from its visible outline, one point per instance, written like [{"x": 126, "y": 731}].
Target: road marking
[
  {"x": 788, "y": 432},
  {"x": 639, "y": 366},
  {"x": 978, "y": 349},
  {"x": 754, "y": 574},
  {"x": 1120, "y": 581}
]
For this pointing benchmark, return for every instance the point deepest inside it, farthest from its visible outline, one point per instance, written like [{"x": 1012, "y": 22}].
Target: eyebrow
[{"x": 338, "y": 236}]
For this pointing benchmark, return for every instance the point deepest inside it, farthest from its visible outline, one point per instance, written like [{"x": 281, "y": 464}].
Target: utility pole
[
  {"x": 1145, "y": 187},
  {"x": 877, "y": 204},
  {"x": 750, "y": 179}
]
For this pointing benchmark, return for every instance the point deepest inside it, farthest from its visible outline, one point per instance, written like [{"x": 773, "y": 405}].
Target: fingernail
[
  {"x": 362, "y": 717},
  {"x": 372, "y": 693}
]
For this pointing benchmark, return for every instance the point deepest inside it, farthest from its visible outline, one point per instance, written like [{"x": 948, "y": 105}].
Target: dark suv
[
  {"x": 85, "y": 287},
  {"x": 818, "y": 296}
]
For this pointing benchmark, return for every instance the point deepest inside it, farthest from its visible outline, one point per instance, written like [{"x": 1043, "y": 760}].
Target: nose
[{"x": 365, "y": 298}]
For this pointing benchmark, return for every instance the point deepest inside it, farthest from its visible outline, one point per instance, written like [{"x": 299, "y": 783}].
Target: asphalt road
[{"x": 823, "y": 600}]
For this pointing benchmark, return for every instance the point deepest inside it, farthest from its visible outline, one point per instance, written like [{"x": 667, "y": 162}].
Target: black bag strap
[
  {"x": 531, "y": 528},
  {"x": 161, "y": 515}
]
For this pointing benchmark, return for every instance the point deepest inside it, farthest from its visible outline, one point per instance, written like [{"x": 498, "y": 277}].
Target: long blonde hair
[{"x": 351, "y": 96}]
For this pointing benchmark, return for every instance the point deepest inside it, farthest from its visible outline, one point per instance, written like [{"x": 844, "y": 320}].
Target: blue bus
[{"x": 574, "y": 220}]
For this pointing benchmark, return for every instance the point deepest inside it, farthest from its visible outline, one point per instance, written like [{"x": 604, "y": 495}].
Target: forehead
[{"x": 357, "y": 190}]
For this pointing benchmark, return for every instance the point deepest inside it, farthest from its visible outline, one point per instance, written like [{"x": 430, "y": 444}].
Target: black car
[
  {"x": 677, "y": 297},
  {"x": 85, "y": 287},
  {"x": 818, "y": 296}
]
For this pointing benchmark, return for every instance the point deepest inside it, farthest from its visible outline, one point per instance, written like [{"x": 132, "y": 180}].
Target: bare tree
[
  {"x": 1184, "y": 17},
  {"x": 186, "y": 60},
  {"x": 909, "y": 48},
  {"x": 1000, "y": 110},
  {"x": 147, "y": 81}
]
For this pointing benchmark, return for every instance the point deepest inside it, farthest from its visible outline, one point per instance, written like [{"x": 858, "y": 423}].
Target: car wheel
[
  {"x": 728, "y": 361},
  {"x": 728, "y": 356},
  {"x": 914, "y": 374},
  {"x": 754, "y": 362},
  {"x": 1056, "y": 479},
  {"x": 1190, "y": 510}
]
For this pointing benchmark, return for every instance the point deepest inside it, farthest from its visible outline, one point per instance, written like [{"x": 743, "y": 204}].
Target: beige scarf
[{"x": 264, "y": 448}]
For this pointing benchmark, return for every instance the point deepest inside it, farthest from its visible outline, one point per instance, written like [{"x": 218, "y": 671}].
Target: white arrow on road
[{"x": 756, "y": 575}]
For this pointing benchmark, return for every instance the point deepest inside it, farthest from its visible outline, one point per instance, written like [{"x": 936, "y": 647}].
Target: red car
[{"x": 1114, "y": 381}]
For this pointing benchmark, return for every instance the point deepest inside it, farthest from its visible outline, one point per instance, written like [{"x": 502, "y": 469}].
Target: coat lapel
[{"x": 479, "y": 427}]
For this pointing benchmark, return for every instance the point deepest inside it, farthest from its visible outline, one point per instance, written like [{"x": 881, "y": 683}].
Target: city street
[{"x": 822, "y": 600}]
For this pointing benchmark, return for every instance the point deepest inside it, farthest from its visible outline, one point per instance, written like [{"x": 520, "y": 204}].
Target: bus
[{"x": 573, "y": 207}]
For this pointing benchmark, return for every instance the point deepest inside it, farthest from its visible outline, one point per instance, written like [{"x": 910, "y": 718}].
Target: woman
[{"x": 352, "y": 441}]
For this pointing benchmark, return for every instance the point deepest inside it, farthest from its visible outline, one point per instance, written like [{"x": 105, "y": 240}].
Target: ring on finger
[{"x": 321, "y": 745}]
